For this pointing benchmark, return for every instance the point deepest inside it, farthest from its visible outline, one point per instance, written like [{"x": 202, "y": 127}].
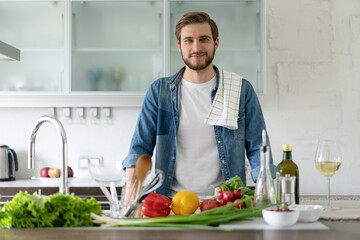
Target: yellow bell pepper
[{"x": 185, "y": 202}]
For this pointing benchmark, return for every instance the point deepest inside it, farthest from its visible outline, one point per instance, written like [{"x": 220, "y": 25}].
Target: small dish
[
  {"x": 280, "y": 218},
  {"x": 50, "y": 180},
  {"x": 308, "y": 213}
]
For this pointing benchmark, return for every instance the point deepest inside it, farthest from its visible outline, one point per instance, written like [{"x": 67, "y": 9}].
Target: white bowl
[
  {"x": 308, "y": 213},
  {"x": 280, "y": 218}
]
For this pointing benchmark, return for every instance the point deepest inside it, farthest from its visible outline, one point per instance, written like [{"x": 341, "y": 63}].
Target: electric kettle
[{"x": 8, "y": 163}]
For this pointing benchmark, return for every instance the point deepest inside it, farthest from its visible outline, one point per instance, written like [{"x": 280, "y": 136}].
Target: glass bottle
[
  {"x": 264, "y": 189},
  {"x": 287, "y": 166}
]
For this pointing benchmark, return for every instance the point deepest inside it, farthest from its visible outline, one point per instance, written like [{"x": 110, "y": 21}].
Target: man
[{"x": 201, "y": 119}]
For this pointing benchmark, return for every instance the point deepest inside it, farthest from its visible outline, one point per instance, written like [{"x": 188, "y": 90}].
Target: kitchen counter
[
  {"x": 344, "y": 230},
  {"x": 80, "y": 187},
  {"x": 49, "y": 182}
]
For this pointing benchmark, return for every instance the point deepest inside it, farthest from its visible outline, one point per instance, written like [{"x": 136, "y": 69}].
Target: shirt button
[
  {"x": 219, "y": 141},
  {"x": 173, "y": 157},
  {"x": 223, "y": 161},
  {"x": 170, "y": 177}
]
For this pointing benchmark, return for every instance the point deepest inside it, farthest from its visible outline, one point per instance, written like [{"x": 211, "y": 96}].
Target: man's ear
[
  {"x": 179, "y": 45},
  {"x": 216, "y": 43}
]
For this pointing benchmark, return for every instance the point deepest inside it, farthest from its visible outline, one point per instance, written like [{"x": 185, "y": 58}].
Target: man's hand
[{"x": 130, "y": 187}]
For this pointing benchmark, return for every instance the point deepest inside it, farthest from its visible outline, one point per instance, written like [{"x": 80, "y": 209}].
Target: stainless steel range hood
[{"x": 9, "y": 53}]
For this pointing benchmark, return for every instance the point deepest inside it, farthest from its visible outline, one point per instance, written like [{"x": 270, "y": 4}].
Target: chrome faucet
[{"x": 64, "y": 188}]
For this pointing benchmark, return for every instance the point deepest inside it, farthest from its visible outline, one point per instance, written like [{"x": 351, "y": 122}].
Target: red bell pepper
[{"x": 156, "y": 205}]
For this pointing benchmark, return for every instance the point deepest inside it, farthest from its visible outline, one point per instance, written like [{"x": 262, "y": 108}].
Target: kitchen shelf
[
  {"x": 115, "y": 50},
  {"x": 29, "y": 50},
  {"x": 78, "y": 99}
]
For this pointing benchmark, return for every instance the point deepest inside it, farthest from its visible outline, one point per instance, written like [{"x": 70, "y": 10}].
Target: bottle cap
[{"x": 287, "y": 147}]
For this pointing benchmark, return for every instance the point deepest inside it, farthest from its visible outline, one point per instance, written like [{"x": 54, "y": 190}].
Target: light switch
[
  {"x": 83, "y": 162},
  {"x": 95, "y": 161}
]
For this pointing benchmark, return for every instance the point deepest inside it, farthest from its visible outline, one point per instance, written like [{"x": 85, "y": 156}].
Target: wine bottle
[
  {"x": 264, "y": 190},
  {"x": 287, "y": 166}
]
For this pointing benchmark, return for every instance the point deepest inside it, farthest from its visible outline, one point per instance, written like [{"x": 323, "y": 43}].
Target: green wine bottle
[{"x": 287, "y": 166}]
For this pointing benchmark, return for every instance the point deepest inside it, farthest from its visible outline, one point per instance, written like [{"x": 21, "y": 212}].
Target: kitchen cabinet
[
  {"x": 37, "y": 29},
  {"x": 116, "y": 45},
  {"x": 108, "y": 52}
]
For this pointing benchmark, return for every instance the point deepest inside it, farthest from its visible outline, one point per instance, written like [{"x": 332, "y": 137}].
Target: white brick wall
[{"x": 313, "y": 85}]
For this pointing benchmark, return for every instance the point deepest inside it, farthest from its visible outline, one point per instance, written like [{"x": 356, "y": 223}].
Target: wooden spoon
[{"x": 143, "y": 165}]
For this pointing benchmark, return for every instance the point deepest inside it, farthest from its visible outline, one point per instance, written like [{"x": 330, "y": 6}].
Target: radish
[
  {"x": 222, "y": 202},
  {"x": 228, "y": 196},
  {"x": 237, "y": 193},
  {"x": 219, "y": 195},
  {"x": 240, "y": 205}
]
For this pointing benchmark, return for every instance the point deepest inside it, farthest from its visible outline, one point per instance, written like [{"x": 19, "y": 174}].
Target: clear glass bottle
[
  {"x": 287, "y": 166},
  {"x": 264, "y": 189}
]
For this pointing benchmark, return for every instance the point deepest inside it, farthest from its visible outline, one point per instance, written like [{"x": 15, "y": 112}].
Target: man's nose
[{"x": 196, "y": 45}]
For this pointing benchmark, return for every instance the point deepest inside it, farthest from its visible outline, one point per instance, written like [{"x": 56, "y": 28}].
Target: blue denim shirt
[{"x": 158, "y": 124}]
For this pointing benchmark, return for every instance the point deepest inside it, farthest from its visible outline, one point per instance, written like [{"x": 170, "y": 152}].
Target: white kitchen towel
[
  {"x": 349, "y": 207},
  {"x": 225, "y": 107}
]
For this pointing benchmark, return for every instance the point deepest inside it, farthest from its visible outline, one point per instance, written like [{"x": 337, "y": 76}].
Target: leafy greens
[
  {"x": 233, "y": 184},
  {"x": 57, "y": 210}
]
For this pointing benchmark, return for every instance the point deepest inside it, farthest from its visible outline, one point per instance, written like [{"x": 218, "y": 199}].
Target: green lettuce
[
  {"x": 57, "y": 210},
  {"x": 232, "y": 184}
]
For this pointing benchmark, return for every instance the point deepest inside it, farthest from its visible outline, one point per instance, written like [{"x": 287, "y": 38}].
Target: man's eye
[
  {"x": 188, "y": 40},
  {"x": 205, "y": 39}
]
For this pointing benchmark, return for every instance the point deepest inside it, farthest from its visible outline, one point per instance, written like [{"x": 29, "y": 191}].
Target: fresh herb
[{"x": 57, "y": 210}]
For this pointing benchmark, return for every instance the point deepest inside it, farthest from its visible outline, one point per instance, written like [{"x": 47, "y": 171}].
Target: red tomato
[{"x": 208, "y": 204}]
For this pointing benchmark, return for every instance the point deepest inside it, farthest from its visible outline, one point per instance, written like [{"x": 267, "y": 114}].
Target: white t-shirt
[{"x": 197, "y": 167}]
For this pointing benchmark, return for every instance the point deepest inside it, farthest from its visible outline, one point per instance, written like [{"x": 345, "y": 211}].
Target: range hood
[{"x": 9, "y": 53}]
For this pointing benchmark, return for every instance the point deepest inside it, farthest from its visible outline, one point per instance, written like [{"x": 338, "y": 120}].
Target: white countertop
[{"x": 49, "y": 182}]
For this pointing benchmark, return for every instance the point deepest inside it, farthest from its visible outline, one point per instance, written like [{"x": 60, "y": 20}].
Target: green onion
[{"x": 207, "y": 219}]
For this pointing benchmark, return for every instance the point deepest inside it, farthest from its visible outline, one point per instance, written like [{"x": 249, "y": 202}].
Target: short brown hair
[{"x": 196, "y": 17}]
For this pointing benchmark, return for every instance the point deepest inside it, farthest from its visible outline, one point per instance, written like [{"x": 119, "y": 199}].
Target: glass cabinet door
[
  {"x": 37, "y": 29},
  {"x": 116, "y": 45},
  {"x": 240, "y": 36}
]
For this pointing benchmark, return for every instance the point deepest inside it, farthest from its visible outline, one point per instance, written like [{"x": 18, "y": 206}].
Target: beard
[{"x": 209, "y": 57}]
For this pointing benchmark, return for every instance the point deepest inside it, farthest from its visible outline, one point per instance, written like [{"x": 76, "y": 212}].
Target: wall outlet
[{"x": 84, "y": 161}]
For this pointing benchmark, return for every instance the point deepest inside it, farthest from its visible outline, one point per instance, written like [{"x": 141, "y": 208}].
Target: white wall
[
  {"x": 313, "y": 91},
  {"x": 107, "y": 139}
]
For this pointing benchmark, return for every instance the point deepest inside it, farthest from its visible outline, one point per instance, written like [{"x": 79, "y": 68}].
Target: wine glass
[{"x": 327, "y": 162}]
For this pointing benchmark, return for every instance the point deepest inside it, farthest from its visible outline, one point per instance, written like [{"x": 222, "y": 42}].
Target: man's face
[{"x": 196, "y": 45}]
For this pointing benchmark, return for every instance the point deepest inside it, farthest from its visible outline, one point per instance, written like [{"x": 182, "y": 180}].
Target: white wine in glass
[{"x": 328, "y": 162}]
